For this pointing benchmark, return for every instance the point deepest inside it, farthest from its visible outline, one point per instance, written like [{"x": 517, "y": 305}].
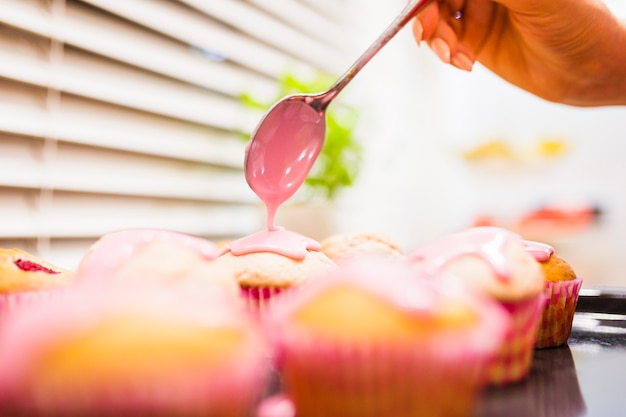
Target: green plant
[{"x": 339, "y": 161}]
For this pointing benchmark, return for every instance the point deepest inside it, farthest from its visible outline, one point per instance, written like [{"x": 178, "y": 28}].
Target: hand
[{"x": 566, "y": 51}]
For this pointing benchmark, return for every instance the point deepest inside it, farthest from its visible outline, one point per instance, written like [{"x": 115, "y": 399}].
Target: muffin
[
  {"x": 375, "y": 339},
  {"x": 26, "y": 280},
  {"x": 270, "y": 263},
  {"x": 361, "y": 244},
  {"x": 561, "y": 293},
  {"x": 112, "y": 250},
  {"x": 153, "y": 352},
  {"x": 496, "y": 262}
]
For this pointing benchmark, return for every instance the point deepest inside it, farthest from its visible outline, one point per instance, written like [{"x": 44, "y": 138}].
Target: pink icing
[
  {"x": 282, "y": 151},
  {"x": 278, "y": 158},
  {"x": 540, "y": 251},
  {"x": 277, "y": 240},
  {"x": 487, "y": 243},
  {"x": 110, "y": 251}
]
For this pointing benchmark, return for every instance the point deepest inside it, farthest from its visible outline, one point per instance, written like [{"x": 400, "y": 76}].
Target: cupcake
[
  {"x": 153, "y": 352},
  {"x": 375, "y": 339},
  {"x": 561, "y": 292},
  {"x": 114, "y": 249},
  {"x": 268, "y": 264},
  {"x": 347, "y": 245},
  {"x": 496, "y": 262},
  {"x": 26, "y": 280}
]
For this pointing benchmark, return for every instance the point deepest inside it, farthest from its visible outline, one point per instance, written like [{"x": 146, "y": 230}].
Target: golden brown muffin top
[
  {"x": 346, "y": 312},
  {"x": 269, "y": 269},
  {"x": 557, "y": 269},
  {"x": 348, "y": 245},
  {"x": 20, "y": 271}
]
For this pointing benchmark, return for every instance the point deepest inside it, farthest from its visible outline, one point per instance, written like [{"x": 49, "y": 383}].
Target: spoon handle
[{"x": 409, "y": 11}]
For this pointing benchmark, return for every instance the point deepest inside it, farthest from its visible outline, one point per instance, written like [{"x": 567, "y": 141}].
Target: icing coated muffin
[
  {"x": 268, "y": 264},
  {"x": 374, "y": 339},
  {"x": 496, "y": 262},
  {"x": 113, "y": 250},
  {"x": 561, "y": 293},
  {"x": 152, "y": 352},
  {"x": 348, "y": 245}
]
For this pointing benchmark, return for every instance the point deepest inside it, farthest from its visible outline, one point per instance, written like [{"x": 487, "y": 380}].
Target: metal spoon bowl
[{"x": 288, "y": 139}]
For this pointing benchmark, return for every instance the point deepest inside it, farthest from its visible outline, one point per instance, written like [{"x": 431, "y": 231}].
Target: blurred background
[{"x": 135, "y": 113}]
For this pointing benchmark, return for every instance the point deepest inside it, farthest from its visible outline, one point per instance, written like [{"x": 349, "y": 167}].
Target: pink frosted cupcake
[
  {"x": 268, "y": 264},
  {"x": 114, "y": 249},
  {"x": 152, "y": 352},
  {"x": 496, "y": 262},
  {"x": 26, "y": 280},
  {"x": 151, "y": 255},
  {"x": 360, "y": 244},
  {"x": 561, "y": 292},
  {"x": 374, "y": 339}
]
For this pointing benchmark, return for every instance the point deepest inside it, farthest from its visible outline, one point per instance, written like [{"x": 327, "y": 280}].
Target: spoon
[{"x": 288, "y": 139}]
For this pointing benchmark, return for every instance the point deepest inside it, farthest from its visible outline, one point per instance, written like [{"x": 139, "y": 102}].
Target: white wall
[{"x": 418, "y": 115}]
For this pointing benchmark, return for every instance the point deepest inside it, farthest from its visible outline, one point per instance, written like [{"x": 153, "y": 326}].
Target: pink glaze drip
[
  {"x": 540, "y": 251},
  {"x": 277, "y": 240},
  {"x": 282, "y": 152},
  {"x": 108, "y": 253},
  {"x": 29, "y": 266},
  {"x": 487, "y": 243}
]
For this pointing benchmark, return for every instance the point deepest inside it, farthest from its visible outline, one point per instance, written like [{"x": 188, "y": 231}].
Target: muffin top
[
  {"x": 20, "y": 271},
  {"x": 557, "y": 269},
  {"x": 554, "y": 267},
  {"x": 269, "y": 269},
  {"x": 342, "y": 246},
  {"x": 170, "y": 262},
  {"x": 276, "y": 258},
  {"x": 104, "y": 340},
  {"x": 113, "y": 249},
  {"x": 383, "y": 301},
  {"x": 492, "y": 259}
]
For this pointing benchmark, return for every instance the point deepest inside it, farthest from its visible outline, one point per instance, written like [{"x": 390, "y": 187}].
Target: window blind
[{"x": 127, "y": 113}]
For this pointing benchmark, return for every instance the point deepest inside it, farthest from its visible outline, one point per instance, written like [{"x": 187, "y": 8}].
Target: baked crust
[
  {"x": 20, "y": 271},
  {"x": 557, "y": 269},
  {"x": 348, "y": 245}
]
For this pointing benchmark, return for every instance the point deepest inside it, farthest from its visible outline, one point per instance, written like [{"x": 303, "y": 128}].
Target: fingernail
[
  {"x": 418, "y": 31},
  {"x": 441, "y": 48},
  {"x": 462, "y": 61}
]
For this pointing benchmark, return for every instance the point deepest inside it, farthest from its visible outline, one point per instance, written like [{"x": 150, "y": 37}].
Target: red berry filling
[{"x": 26, "y": 265}]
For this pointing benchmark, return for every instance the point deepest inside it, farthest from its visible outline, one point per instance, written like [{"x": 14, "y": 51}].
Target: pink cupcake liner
[
  {"x": 558, "y": 313},
  {"x": 230, "y": 388},
  {"x": 513, "y": 360},
  {"x": 11, "y": 303},
  {"x": 231, "y": 392},
  {"x": 258, "y": 300},
  {"x": 380, "y": 379}
]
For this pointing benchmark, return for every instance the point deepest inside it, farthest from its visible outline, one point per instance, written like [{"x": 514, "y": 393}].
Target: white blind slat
[
  {"x": 121, "y": 86},
  {"x": 112, "y": 38},
  {"x": 123, "y": 114},
  {"x": 73, "y": 215},
  {"x": 272, "y": 31},
  {"x": 90, "y": 124},
  {"x": 187, "y": 26}
]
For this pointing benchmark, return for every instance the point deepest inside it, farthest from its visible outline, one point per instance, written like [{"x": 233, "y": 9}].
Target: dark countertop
[{"x": 586, "y": 377}]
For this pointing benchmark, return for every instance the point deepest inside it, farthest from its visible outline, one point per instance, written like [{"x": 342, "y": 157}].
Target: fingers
[{"x": 441, "y": 25}]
